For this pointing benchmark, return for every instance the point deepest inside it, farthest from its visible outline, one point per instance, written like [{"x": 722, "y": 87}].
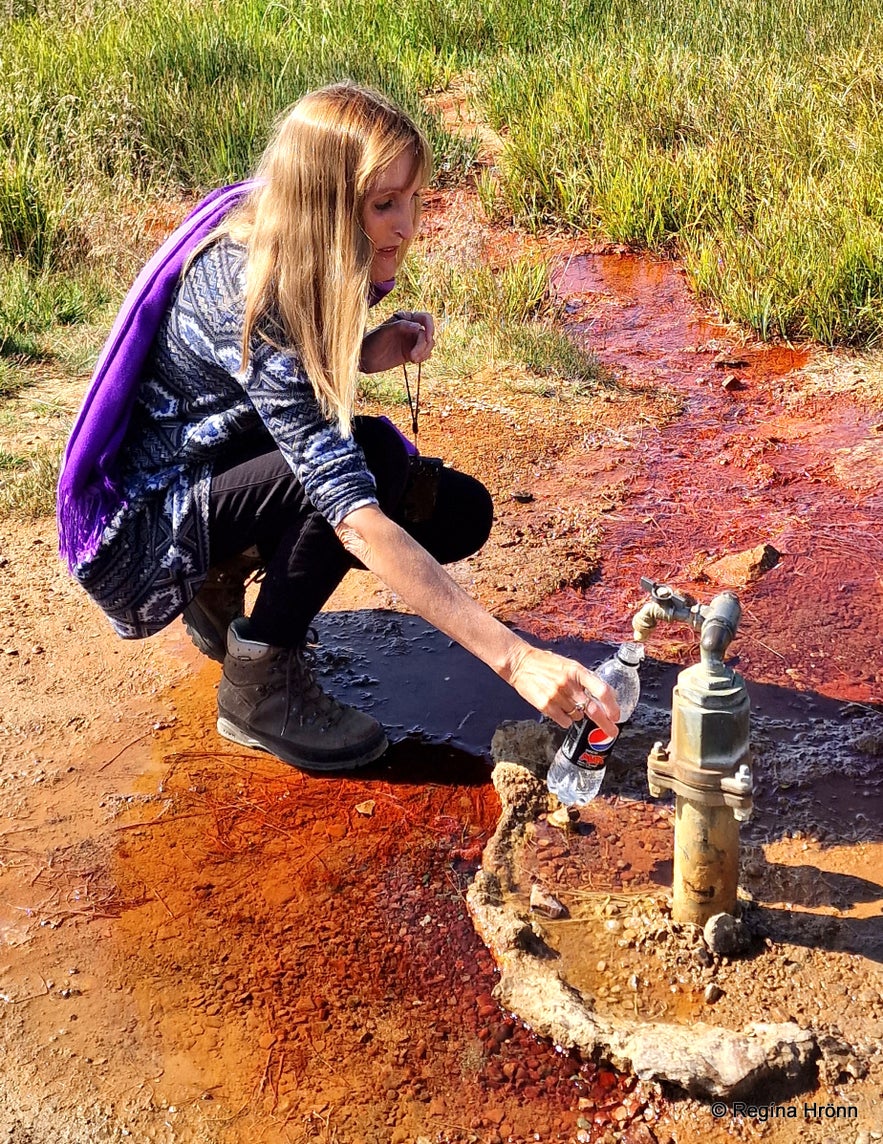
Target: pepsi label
[{"x": 586, "y": 745}]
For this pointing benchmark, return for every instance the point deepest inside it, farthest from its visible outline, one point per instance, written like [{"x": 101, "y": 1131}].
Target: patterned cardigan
[{"x": 192, "y": 404}]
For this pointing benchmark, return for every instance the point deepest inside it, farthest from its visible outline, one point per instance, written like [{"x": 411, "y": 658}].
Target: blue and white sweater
[{"x": 192, "y": 404}]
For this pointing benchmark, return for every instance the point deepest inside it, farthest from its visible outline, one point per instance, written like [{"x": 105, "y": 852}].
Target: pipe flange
[{"x": 707, "y": 788}]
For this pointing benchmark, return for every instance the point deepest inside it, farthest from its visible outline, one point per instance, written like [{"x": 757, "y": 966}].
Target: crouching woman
[{"x": 218, "y": 437}]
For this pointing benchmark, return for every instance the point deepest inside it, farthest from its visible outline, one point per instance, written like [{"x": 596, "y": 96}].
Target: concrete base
[{"x": 703, "y": 1059}]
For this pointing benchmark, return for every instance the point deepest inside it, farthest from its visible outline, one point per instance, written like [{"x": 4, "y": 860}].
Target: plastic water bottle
[{"x": 578, "y": 768}]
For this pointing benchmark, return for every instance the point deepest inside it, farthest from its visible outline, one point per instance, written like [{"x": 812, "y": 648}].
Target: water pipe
[{"x": 707, "y": 763}]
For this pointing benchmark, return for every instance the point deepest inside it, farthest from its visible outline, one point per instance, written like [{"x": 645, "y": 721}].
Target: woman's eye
[{"x": 384, "y": 206}]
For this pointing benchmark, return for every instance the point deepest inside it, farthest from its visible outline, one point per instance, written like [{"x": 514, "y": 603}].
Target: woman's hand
[
  {"x": 407, "y": 336},
  {"x": 563, "y": 689}
]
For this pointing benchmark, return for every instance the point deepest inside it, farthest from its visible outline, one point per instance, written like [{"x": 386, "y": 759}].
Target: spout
[
  {"x": 719, "y": 628},
  {"x": 646, "y": 619}
]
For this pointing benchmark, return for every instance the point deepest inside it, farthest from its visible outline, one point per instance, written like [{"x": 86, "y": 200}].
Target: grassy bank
[{"x": 748, "y": 138}]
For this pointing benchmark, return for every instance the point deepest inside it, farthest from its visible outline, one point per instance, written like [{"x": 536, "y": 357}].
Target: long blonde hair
[{"x": 308, "y": 261}]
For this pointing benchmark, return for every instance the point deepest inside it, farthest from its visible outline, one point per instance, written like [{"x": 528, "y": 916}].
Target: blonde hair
[{"x": 309, "y": 259}]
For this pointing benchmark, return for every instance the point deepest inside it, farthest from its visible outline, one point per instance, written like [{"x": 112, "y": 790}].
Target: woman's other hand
[
  {"x": 407, "y": 336},
  {"x": 563, "y": 689}
]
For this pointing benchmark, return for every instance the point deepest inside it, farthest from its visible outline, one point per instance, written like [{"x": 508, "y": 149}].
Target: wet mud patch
[
  {"x": 585, "y": 900},
  {"x": 757, "y": 454},
  {"x": 308, "y": 957},
  {"x": 227, "y": 949}
]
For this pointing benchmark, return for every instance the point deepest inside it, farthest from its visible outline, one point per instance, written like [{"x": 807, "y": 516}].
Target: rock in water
[{"x": 740, "y": 568}]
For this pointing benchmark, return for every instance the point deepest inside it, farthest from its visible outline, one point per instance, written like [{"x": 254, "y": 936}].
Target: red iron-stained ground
[
  {"x": 241, "y": 952},
  {"x": 760, "y": 462}
]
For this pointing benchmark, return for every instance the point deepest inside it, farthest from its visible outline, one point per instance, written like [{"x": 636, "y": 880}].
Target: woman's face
[{"x": 388, "y": 216}]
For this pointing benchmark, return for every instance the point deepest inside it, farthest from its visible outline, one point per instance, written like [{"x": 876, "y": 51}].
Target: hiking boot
[
  {"x": 269, "y": 698},
  {"x": 219, "y": 602}
]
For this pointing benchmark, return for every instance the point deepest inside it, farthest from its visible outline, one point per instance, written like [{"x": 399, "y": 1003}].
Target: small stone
[
  {"x": 730, "y": 361},
  {"x": 740, "y": 568},
  {"x": 713, "y": 993},
  {"x": 725, "y": 935},
  {"x": 731, "y": 383},
  {"x": 564, "y": 818},
  {"x": 703, "y": 956},
  {"x": 544, "y": 903},
  {"x": 366, "y": 808}
]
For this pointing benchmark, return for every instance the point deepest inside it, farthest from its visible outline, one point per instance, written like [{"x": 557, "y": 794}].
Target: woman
[{"x": 233, "y": 444}]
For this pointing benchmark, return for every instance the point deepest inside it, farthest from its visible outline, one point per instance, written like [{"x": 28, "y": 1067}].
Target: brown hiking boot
[
  {"x": 219, "y": 602},
  {"x": 269, "y": 698}
]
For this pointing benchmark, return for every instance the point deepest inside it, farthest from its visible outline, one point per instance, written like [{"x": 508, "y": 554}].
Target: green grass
[
  {"x": 34, "y": 305},
  {"x": 27, "y": 490},
  {"x": 747, "y": 138},
  {"x": 503, "y": 318},
  {"x": 11, "y": 461},
  {"x": 448, "y": 288},
  {"x": 12, "y": 380}
]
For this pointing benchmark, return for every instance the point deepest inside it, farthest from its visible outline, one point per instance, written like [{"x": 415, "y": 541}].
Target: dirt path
[{"x": 201, "y": 945}]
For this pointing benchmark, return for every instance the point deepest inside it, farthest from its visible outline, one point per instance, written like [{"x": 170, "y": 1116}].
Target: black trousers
[{"x": 257, "y": 501}]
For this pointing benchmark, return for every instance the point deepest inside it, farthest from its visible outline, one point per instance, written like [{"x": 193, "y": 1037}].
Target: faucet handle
[{"x": 667, "y": 596}]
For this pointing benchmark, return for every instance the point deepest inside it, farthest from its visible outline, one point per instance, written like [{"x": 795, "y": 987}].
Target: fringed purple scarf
[
  {"x": 88, "y": 494},
  {"x": 88, "y": 491}
]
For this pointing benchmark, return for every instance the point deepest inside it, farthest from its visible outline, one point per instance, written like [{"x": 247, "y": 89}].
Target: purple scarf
[{"x": 88, "y": 491}]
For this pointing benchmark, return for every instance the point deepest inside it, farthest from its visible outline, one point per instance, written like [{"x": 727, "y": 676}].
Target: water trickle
[{"x": 735, "y": 468}]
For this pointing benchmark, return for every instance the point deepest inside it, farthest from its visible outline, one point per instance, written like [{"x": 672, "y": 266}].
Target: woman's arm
[{"x": 549, "y": 682}]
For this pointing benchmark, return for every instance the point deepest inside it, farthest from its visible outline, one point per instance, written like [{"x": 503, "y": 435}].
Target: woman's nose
[{"x": 405, "y": 224}]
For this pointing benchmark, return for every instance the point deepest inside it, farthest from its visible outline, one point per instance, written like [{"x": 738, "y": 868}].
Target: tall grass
[
  {"x": 748, "y": 137},
  {"x": 27, "y": 490},
  {"x": 501, "y": 318}
]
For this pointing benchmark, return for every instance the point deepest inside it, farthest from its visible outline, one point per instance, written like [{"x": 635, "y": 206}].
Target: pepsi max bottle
[{"x": 578, "y": 768}]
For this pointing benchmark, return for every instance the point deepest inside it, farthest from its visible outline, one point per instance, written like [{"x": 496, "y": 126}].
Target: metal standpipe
[{"x": 707, "y": 763}]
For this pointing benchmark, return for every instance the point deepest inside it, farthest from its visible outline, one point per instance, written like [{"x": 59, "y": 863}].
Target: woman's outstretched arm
[{"x": 549, "y": 682}]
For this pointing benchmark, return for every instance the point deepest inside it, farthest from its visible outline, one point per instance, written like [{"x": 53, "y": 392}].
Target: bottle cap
[{"x": 630, "y": 653}]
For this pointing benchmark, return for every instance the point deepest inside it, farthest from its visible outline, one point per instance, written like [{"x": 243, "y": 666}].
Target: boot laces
[{"x": 305, "y": 693}]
